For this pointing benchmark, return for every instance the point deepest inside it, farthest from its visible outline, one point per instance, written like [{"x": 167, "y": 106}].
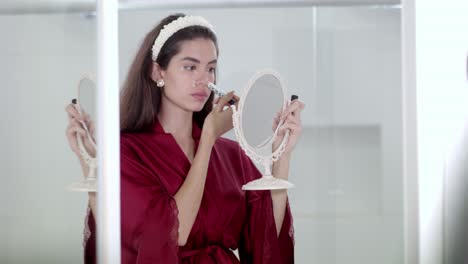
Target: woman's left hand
[{"x": 292, "y": 122}]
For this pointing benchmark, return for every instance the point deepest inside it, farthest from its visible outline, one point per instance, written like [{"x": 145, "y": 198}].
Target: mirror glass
[
  {"x": 86, "y": 107},
  {"x": 264, "y": 100},
  {"x": 87, "y": 96},
  {"x": 50, "y": 45},
  {"x": 342, "y": 60}
]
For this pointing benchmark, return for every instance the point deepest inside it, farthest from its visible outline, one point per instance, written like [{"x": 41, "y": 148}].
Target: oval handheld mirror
[
  {"x": 255, "y": 127},
  {"x": 85, "y": 105}
]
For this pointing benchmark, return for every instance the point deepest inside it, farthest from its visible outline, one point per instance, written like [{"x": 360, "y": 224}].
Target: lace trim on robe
[
  {"x": 174, "y": 234},
  {"x": 87, "y": 230},
  {"x": 291, "y": 226}
]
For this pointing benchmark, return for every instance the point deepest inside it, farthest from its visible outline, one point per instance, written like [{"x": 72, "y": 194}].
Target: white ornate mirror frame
[
  {"x": 88, "y": 182},
  {"x": 268, "y": 181}
]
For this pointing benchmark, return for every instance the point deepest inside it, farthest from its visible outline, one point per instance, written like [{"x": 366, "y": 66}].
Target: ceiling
[{"x": 53, "y": 6}]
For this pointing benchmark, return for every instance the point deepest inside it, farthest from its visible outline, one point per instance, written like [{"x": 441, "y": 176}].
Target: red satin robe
[{"x": 153, "y": 167}]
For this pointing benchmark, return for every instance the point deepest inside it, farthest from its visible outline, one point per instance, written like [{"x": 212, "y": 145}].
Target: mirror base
[
  {"x": 83, "y": 186},
  {"x": 267, "y": 183}
]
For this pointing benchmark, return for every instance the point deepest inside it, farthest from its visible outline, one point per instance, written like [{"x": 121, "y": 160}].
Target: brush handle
[{"x": 220, "y": 93}]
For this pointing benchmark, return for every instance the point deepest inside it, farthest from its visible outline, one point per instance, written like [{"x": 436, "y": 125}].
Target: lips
[{"x": 200, "y": 95}]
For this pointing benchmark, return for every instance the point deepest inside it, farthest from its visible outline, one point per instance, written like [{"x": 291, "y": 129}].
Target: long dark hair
[{"x": 140, "y": 98}]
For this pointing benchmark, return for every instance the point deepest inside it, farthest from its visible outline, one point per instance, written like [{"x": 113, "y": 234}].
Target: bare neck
[{"x": 175, "y": 120}]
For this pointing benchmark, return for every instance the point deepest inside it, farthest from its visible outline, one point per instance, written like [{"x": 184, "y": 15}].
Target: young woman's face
[{"x": 188, "y": 73}]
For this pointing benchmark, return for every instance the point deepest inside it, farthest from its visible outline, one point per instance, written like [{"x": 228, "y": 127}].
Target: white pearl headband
[{"x": 168, "y": 30}]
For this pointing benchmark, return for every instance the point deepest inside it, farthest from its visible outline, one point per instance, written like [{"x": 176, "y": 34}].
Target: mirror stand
[
  {"x": 267, "y": 181},
  {"x": 86, "y": 91}
]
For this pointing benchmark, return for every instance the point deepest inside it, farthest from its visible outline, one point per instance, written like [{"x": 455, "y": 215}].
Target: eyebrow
[{"x": 197, "y": 61}]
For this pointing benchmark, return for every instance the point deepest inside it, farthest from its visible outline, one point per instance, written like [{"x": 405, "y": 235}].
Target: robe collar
[{"x": 196, "y": 131}]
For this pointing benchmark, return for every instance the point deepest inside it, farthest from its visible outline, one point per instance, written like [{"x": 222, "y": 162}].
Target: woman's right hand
[
  {"x": 219, "y": 121},
  {"x": 75, "y": 128}
]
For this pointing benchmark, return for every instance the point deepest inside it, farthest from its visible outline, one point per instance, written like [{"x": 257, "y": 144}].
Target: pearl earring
[{"x": 160, "y": 83}]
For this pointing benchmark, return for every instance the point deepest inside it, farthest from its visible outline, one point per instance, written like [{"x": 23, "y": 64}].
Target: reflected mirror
[
  {"x": 85, "y": 105},
  {"x": 87, "y": 96}
]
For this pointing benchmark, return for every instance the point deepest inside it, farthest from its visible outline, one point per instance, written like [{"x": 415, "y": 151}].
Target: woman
[{"x": 181, "y": 197}]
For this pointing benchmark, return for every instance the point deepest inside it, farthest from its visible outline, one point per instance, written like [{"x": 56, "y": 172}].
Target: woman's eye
[
  {"x": 189, "y": 67},
  {"x": 212, "y": 70}
]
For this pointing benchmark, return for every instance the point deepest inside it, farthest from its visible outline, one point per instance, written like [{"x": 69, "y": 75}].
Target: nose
[{"x": 203, "y": 79}]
